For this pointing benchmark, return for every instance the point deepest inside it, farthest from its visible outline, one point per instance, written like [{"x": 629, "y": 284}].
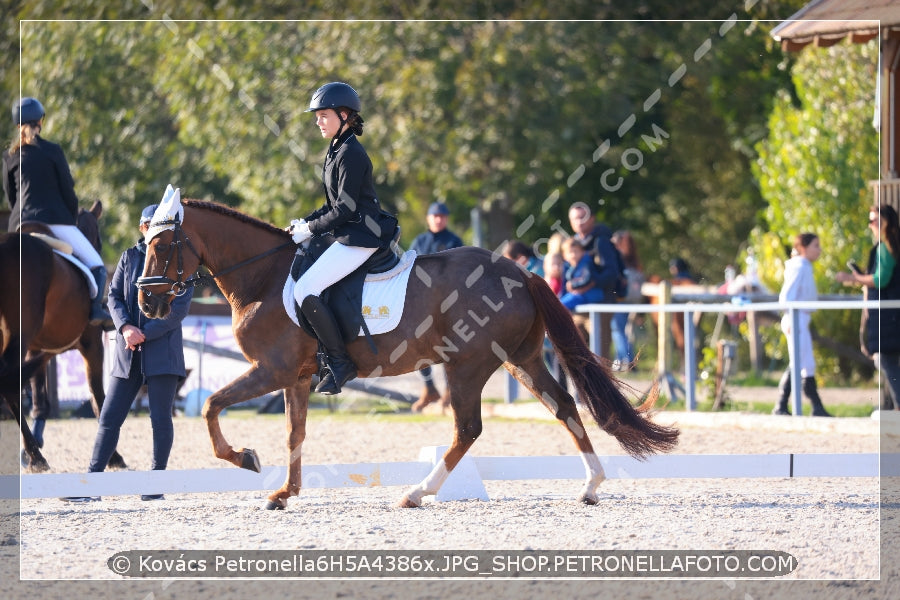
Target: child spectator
[
  {"x": 554, "y": 267},
  {"x": 580, "y": 287}
]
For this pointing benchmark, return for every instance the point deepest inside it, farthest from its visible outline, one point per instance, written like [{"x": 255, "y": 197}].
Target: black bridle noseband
[{"x": 180, "y": 286}]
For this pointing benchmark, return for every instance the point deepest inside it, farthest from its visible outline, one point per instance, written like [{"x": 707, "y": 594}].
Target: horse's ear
[{"x": 97, "y": 208}]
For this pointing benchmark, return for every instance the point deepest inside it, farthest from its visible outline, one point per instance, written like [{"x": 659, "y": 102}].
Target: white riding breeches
[
  {"x": 336, "y": 262},
  {"x": 81, "y": 247},
  {"x": 804, "y": 344}
]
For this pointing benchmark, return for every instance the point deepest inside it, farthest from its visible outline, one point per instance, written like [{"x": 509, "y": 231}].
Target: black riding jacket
[
  {"x": 351, "y": 210},
  {"x": 39, "y": 174}
]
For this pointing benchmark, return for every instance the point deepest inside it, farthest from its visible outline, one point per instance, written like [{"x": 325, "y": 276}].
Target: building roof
[{"x": 826, "y": 22}]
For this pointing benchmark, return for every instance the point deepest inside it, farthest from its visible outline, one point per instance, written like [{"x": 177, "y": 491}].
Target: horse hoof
[
  {"x": 273, "y": 505},
  {"x": 588, "y": 500},
  {"x": 24, "y": 459},
  {"x": 407, "y": 503},
  {"x": 117, "y": 462},
  {"x": 249, "y": 460}
]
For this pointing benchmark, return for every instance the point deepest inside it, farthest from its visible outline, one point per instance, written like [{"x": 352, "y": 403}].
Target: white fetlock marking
[
  {"x": 595, "y": 475},
  {"x": 431, "y": 484}
]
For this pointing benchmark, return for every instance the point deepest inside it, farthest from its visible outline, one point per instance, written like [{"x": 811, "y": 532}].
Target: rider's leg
[
  {"x": 336, "y": 262},
  {"x": 86, "y": 253}
]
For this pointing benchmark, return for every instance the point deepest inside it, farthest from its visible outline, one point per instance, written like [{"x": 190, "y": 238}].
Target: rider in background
[
  {"x": 351, "y": 213},
  {"x": 39, "y": 187}
]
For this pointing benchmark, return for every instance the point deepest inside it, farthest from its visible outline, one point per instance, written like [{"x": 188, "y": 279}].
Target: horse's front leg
[
  {"x": 255, "y": 382},
  {"x": 296, "y": 404}
]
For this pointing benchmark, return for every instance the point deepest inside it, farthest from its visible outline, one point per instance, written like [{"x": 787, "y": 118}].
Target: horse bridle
[{"x": 180, "y": 286}]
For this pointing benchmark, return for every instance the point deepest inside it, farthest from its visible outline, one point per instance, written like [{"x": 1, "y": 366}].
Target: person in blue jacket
[
  {"x": 436, "y": 238},
  {"x": 581, "y": 285},
  {"x": 146, "y": 351}
]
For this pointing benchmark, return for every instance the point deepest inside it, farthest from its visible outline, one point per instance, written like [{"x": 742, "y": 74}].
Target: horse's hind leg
[
  {"x": 36, "y": 461},
  {"x": 296, "y": 404},
  {"x": 465, "y": 387},
  {"x": 533, "y": 374}
]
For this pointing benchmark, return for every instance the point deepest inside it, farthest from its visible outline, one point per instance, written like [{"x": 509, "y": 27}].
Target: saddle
[
  {"x": 344, "y": 298},
  {"x": 43, "y": 233},
  {"x": 62, "y": 249}
]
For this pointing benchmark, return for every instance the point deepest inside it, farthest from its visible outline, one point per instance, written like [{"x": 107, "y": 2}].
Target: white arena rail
[
  {"x": 690, "y": 359},
  {"x": 465, "y": 482}
]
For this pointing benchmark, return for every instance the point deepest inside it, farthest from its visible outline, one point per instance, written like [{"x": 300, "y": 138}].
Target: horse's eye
[{"x": 162, "y": 247}]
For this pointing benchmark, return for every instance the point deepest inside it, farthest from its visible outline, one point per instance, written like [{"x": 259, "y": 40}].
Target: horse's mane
[{"x": 230, "y": 212}]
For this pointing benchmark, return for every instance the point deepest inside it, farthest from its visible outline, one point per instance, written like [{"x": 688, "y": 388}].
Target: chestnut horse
[
  {"x": 467, "y": 308},
  {"x": 44, "y": 308}
]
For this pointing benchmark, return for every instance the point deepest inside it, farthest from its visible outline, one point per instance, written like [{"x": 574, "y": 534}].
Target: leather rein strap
[{"x": 179, "y": 286}]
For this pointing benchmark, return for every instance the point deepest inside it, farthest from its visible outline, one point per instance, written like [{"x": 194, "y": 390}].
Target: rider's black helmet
[
  {"x": 27, "y": 110},
  {"x": 334, "y": 95}
]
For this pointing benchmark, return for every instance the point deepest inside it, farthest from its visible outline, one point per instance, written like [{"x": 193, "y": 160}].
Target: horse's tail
[{"x": 596, "y": 386}]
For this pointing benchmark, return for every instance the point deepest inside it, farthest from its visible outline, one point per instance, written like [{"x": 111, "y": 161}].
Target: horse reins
[{"x": 179, "y": 287}]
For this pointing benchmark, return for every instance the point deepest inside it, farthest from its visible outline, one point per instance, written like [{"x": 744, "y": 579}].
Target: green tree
[{"x": 813, "y": 171}]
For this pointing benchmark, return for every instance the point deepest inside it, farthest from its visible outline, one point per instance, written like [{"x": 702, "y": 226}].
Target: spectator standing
[
  {"x": 146, "y": 351},
  {"x": 680, "y": 272},
  {"x": 436, "y": 238},
  {"x": 799, "y": 284},
  {"x": 596, "y": 238},
  {"x": 881, "y": 281},
  {"x": 634, "y": 273}
]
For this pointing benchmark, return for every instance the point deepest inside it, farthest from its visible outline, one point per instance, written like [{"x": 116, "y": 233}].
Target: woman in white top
[{"x": 800, "y": 285}]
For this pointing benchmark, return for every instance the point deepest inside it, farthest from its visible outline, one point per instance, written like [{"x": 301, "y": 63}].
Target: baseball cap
[
  {"x": 147, "y": 213},
  {"x": 438, "y": 208}
]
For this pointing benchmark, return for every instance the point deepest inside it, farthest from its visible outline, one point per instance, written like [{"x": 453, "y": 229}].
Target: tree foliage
[
  {"x": 813, "y": 170},
  {"x": 518, "y": 119}
]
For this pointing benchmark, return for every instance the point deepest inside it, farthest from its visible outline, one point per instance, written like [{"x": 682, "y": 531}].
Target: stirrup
[{"x": 328, "y": 386}]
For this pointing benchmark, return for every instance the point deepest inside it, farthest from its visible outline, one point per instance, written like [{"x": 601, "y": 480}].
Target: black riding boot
[
  {"x": 785, "y": 387},
  {"x": 811, "y": 391},
  {"x": 340, "y": 368},
  {"x": 99, "y": 314}
]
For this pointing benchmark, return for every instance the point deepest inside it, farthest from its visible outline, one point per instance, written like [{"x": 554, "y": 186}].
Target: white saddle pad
[
  {"x": 383, "y": 297},
  {"x": 92, "y": 285}
]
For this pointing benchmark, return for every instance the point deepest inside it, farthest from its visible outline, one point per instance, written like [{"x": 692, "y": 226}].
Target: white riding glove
[{"x": 300, "y": 231}]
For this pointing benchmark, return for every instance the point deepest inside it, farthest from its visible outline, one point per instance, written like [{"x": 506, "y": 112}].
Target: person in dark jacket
[
  {"x": 39, "y": 187},
  {"x": 597, "y": 241},
  {"x": 146, "y": 351},
  {"x": 438, "y": 237},
  {"x": 882, "y": 282},
  {"x": 435, "y": 239},
  {"x": 351, "y": 213}
]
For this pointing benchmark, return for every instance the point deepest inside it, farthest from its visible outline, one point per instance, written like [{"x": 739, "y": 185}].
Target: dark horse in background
[
  {"x": 43, "y": 312},
  {"x": 467, "y": 308}
]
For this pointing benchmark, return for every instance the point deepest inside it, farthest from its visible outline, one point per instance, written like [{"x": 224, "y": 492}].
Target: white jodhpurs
[
  {"x": 81, "y": 247},
  {"x": 336, "y": 262},
  {"x": 804, "y": 342}
]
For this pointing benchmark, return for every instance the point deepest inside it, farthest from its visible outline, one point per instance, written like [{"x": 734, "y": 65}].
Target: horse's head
[
  {"x": 167, "y": 260},
  {"x": 170, "y": 256}
]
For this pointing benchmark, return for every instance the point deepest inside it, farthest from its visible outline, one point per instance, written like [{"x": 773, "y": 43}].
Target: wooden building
[{"x": 823, "y": 23}]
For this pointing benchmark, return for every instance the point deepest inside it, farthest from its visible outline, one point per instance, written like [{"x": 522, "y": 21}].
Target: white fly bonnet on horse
[{"x": 169, "y": 209}]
